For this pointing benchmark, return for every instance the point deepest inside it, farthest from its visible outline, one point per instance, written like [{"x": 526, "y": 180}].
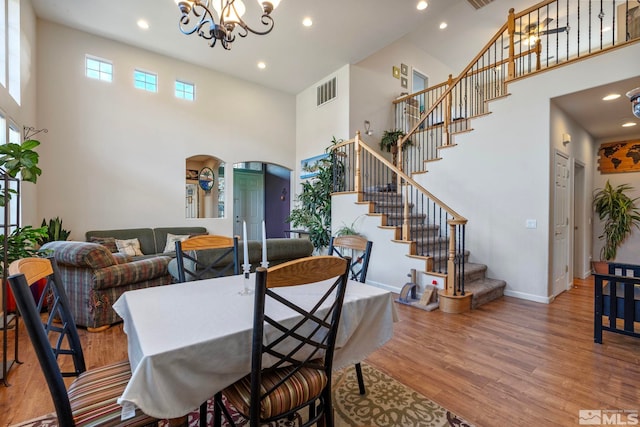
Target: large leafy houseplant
[
  {"x": 18, "y": 159},
  {"x": 619, "y": 213},
  {"x": 313, "y": 211}
]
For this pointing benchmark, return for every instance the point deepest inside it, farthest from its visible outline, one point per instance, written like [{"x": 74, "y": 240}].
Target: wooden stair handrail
[{"x": 456, "y": 216}]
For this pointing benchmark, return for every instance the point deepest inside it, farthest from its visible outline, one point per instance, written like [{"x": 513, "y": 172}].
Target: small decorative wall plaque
[{"x": 396, "y": 72}]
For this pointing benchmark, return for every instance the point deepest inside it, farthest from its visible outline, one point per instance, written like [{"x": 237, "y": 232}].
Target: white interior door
[
  {"x": 248, "y": 198},
  {"x": 561, "y": 225}
]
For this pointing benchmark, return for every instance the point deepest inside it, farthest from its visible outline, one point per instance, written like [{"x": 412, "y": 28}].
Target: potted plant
[
  {"x": 619, "y": 213},
  {"x": 389, "y": 142},
  {"x": 313, "y": 211},
  {"x": 55, "y": 232},
  {"x": 21, "y": 242}
]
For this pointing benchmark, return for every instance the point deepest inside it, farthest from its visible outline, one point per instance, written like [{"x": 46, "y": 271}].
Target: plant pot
[{"x": 600, "y": 267}]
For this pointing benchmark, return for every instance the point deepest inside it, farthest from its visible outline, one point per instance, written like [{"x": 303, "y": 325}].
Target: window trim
[
  {"x": 101, "y": 61},
  {"x": 185, "y": 83},
  {"x": 146, "y": 73}
]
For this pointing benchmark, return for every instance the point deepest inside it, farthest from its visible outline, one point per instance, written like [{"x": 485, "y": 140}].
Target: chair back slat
[
  {"x": 313, "y": 269},
  {"x": 207, "y": 241},
  {"x": 358, "y": 249},
  {"x": 193, "y": 263},
  {"x": 33, "y": 269}
]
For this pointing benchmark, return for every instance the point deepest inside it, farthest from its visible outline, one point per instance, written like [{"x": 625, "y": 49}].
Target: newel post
[
  {"x": 451, "y": 262},
  {"x": 358, "y": 175},
  {"x": 448, "y": 104},
  {"x": 511, "y": 29}
]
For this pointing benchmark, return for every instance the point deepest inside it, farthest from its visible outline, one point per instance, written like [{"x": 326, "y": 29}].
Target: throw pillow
[
  {"x": 130, "y": 247},
  {"x": 170, "y": 246},
  {"x": 108, "y": 242}
]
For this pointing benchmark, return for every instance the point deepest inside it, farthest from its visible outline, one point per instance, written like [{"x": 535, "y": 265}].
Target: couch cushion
[
  {"x": 160, "y": 234},
  {"x": 170, "y": 245},
  {"x": 288, "y": 249},
  {"x": 130, "y": 247},
  {"x": 144, "y": 235},
  {"x": 80, "y": 254},
  {"x": 108, "y": 242}
]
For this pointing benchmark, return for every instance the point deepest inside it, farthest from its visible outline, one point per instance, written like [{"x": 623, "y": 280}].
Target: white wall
[
  {"x": 317, "y": 125},
  {"x": 499, "y": 176},
  {"x": 373, "y": 87},
  {"x": 115, "y": 156}
]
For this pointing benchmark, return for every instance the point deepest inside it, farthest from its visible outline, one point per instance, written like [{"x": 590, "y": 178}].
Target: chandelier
[{"x": 221, "y": 20}]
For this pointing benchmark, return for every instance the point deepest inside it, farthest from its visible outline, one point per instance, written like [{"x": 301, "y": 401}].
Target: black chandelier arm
[
  {"x": 266, "y": 20},
  {"x": 203, "y": 17},
  {"x": 223, "y": 31}
]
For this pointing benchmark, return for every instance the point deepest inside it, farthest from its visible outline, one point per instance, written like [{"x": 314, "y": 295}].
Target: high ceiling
[{"x": 343, "y": 32}]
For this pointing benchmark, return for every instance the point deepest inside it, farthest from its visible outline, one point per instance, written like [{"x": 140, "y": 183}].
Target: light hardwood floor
[{"x": 509, "y": 363}]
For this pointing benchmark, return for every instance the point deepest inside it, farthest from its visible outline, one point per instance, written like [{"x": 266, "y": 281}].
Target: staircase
[
  {"x": 432, "y": 246},
  {"x": 431, "y": 118}
]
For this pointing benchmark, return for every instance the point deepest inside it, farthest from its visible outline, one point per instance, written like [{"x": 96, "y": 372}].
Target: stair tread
[{"x": 485, "y": 290}]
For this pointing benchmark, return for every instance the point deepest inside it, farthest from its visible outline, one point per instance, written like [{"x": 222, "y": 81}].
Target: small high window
[
  {"x": 145, "y": 81},
  {"x": 99, "y": 69},
  {"x": 185, "y": 90}
]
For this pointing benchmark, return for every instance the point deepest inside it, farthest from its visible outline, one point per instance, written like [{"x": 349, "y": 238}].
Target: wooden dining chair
[
  {"x": 300, "y": 352},
  {"x": 91, "y": 398},
  {"x": 207, "y": 256},
  {"x": 359, "y": 249}
]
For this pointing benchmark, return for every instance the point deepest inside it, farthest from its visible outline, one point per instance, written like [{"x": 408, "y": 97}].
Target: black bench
[{"x": 617, "y": 296}]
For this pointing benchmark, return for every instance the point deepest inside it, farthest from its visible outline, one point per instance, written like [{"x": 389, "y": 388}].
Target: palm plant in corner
[
  {"x": 620, "y": 214},
  {"x": 313, "y": 204}
]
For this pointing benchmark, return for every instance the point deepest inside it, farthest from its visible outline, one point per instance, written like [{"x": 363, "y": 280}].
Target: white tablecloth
[{"x": 188, "y": 341}]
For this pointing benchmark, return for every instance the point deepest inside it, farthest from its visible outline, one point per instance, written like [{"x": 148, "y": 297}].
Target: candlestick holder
[
  {"x": 245, "y": 280},
  {"x": 264, "y": 264}
]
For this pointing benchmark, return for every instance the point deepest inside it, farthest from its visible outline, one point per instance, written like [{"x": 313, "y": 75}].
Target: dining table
[{"x": 187, "y": 341}]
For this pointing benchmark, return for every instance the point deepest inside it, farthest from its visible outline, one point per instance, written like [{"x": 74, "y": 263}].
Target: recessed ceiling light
[
  {"x": 422, "y": 5},
  {"x": 628, "y": 124},
  {"x": 307, "y": 22},
  {"x": 611, "y": 97},
  {"x": 443, "y": 25},
  {"x": 262, "y": 65},
  {"x": 143, "y": 24}
]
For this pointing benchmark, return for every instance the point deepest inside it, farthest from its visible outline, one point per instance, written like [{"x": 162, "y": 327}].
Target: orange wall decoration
[{"x": 621, "y": 156}]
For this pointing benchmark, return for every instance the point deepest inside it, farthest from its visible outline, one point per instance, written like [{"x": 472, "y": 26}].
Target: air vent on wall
[
  {"x": 479, "y": 3},
  {"x": 326, "y": 92}
]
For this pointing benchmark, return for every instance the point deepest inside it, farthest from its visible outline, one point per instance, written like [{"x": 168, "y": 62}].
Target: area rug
[{"x": 387, "y": 403}]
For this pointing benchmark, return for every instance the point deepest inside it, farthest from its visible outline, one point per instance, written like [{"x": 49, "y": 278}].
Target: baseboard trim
[
  {"x": 528, "y": 297},
  {"x": 384, "y": 286}
]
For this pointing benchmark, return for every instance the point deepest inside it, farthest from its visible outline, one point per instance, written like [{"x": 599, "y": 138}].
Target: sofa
[
  {"x": 279, "y": 250},
  {"x": 94, "y": 278},
  {"x": 153, "y": 241}
]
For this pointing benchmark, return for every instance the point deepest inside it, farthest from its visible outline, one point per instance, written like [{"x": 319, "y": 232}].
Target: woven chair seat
[
  {"x": 93, "y": 397},
  {"x": 304, "y": 386}
]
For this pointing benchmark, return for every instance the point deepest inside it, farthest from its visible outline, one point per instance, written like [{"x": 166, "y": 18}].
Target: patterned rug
[{"x": 387, "y": 403}]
